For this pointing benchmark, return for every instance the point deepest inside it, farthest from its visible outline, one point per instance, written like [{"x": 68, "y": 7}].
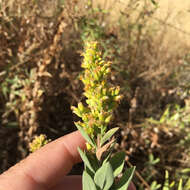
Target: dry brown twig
[{"x": 35, "y": 99}]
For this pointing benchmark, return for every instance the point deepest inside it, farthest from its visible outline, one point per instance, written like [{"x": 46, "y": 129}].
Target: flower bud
[
  {"x": 108, "y": 119},
  {"x": 80, "y": 106}
]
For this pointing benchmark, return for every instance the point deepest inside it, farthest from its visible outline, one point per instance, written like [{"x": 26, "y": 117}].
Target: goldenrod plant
[
  {"x": 38, "y": 142},
  {"x": 102, "y": 168}
]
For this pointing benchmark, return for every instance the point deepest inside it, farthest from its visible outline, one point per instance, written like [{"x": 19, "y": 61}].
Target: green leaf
[
  {"x": 125, "y": 179},
  {"x": 166, "y": 183},
  {"x": 85, "y": 159},
  {"x": 108, "y": 135},
  {"x": 117, "y": 163},
  {"x": 85, "y": 135},
  {"x": 186, "y": 170},
  {"x": 87, "y": 182},
  {"x": 93, "y": 160},
  {"x": 155, "y": 186},
  {"x": 153, "y": 121},
  {"x": 187, "y": 185},
  {"x": 13, "y": 124},
  {"x": 107, "y": 157},
  {"x": 165, "y": 115},
  {"x": 104, "y": 176},
  {"x": 180, "y": 185}
]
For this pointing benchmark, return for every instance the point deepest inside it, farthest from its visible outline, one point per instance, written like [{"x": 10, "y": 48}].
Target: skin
[{"x": 46, "y": 169}]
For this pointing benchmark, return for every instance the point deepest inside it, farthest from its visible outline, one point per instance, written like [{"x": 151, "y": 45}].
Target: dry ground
[{"x": 174, "y": 13}]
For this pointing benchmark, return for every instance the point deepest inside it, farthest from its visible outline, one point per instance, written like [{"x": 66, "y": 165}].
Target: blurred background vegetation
[{"x": 40, "y": 56}]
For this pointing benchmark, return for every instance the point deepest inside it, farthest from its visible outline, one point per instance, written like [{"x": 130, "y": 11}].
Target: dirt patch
[{"x": 171, "y": 14}]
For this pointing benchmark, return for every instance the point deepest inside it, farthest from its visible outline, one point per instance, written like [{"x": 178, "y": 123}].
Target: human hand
[{"x": 46, "y": 168}]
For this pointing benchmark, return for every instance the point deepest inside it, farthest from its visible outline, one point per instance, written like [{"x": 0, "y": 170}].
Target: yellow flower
[{"x": 38, "y": 142}]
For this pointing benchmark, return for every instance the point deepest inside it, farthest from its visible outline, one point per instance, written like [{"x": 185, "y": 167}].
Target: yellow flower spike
[
  {"x": 100, "y": 97},
  {"x": 38, "y": 142},
  {"x": 101, "y": 100}
]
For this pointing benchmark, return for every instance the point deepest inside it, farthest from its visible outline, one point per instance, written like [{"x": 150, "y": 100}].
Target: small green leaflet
[
  {"x": 87, "y": 182},
  {"x": 104, "y": 177},
  {"x": 165, "y": 115},
  {"x": 155, "y": 185},
  {"x": 180, "y": 186},
  {"x": 125, "y": 179},
  {"x": 85, "y": 135},
  {"x": 166, "y": 183},
  {"x": 85, "y": 159},
  {"x": 117, "y": 163},
  {"x": 107, "y": 158},
  {"x": 93, "y": 161},
  {"x": 187, "y": 185},
  {"x": 108, "y": 135}
]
